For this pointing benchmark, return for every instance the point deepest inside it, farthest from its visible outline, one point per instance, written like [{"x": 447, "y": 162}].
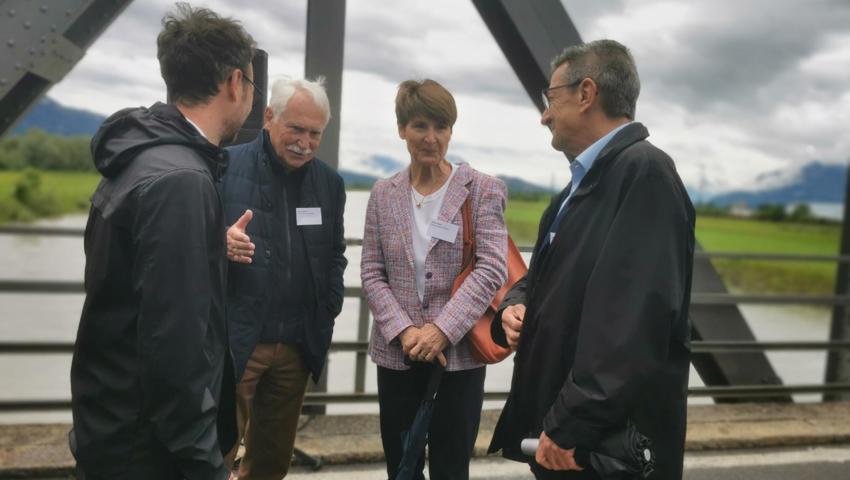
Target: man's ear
[
  {"x": 268, "y": 116},
  {"x": 588, "y": 92},
  {"x": 234, "y": 84}
]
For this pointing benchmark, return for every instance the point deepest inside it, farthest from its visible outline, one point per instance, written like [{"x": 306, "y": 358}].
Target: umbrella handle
[{"x": 528, "y": 446}]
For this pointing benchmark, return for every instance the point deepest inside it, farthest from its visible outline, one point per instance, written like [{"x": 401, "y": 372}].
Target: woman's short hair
[{"x": 425, "y": 98}]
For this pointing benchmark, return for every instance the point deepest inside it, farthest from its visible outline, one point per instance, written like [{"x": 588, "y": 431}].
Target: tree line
[
  {"x": 772, "y": 212},
  {"x": 40, "y": 150},
  {"x": 30, "y": 156}
]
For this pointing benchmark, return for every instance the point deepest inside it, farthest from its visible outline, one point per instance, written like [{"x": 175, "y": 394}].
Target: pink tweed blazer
[{"x": 389, "y": 277}]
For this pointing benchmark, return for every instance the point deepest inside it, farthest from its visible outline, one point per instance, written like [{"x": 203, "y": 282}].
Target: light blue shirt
[{"x": 583, "y": 163}]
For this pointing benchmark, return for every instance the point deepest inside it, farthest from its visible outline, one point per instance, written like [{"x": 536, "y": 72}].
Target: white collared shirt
[
  {"x": 196, "y": 127},
  {"x": 584, "y": 162}
]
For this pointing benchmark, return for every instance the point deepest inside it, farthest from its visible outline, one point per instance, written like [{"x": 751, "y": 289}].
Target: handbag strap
[{"x": 468, "y": 234}]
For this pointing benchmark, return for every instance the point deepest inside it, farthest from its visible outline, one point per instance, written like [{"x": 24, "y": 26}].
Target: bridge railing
[{"x": 359, "y": 394}]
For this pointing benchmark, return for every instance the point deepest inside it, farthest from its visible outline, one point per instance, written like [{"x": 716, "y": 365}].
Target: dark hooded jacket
[
  {"x": 151, "y": 379},
  {"x": 605, "y": 336}
]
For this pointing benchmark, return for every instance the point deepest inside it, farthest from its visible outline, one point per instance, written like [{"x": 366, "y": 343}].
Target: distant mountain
[
  {"x": 357, "y": 180},
  {"x": 815, "y": 182},
  {"x": 53, "y": 118},
  {"x": 515, "y": 185},
  {"x": 518, "y": 185},
  {"x": 383, "y": 165}
]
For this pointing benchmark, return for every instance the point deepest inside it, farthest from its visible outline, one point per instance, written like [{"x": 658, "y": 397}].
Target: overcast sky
[{"x": 731, "y": 89}]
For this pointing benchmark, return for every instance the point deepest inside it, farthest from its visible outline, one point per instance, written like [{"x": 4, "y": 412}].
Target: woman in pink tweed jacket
[{"x": 412, "y": 249}]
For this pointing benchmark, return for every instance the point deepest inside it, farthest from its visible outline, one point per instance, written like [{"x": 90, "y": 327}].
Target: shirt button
[
  {"x": 424, "y": 305},
  {"x": 429, "y": 275},
  {"x": 268, "y": 253}
]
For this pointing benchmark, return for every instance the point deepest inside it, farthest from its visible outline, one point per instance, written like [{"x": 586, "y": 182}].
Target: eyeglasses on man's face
[
  {"x": 245, "y": 77},
  {"x": 545, "y": 92}
]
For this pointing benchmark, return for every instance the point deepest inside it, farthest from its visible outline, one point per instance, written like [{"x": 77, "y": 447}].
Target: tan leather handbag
[{"x": 484, "y": 349}]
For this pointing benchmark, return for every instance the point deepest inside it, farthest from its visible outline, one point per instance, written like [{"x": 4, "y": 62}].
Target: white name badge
[
  {"x": 443, "y": 231},
  {"x": 308, "y": 216}
]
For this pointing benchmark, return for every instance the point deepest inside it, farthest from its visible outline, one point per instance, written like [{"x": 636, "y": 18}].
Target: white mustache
[{"x": 296, "y": 149}]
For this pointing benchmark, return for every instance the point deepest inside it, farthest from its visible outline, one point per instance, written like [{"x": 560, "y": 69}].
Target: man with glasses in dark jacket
[
  {"x": 600, "y": 323},
  {"x": 151, "y": 374}
]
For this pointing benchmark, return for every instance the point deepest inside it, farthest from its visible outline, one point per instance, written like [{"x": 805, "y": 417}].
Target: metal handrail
[
  {"x": 703, "y": 346},
  {"x": 737, "y": 391},
  {"x": 324, "y": 398},
  {"x": 74, "y": 287},
  {"x": 46, "y": 231},
  {"x": 773, "y": 256},
  {"x": 697, "y": 346},
  {"x": 769, "y": 299},
  {"x": 78, "y": 232},
  {"x": 360, "y": 346}
]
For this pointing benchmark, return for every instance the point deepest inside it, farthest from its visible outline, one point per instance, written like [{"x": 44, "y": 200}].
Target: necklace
[
  {"x": 419, "y": 202},
  {"x": 427, "y": 198}
]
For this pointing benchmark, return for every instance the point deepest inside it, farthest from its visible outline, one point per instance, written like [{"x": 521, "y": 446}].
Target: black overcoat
[{"x": 606, "y": 333}]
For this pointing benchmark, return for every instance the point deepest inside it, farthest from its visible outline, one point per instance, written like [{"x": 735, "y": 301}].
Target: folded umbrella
[
  {"x": 623, "y": 455},
  {"x": 413, "y": 440}
]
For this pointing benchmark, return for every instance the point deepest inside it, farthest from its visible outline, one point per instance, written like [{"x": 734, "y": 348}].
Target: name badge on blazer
[
  {"x": 308, "y": 216},
  {"x": 443, "y": 231}
]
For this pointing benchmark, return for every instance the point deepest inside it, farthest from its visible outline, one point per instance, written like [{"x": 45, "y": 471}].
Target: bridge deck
[{"x": 29, "y": 451}]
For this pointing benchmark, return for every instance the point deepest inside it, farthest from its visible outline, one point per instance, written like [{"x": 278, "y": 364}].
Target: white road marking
[{"x": 837, "y": 454}]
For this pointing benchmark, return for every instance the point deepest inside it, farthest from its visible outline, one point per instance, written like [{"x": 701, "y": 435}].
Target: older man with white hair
[{"x": 286, "y": 248}]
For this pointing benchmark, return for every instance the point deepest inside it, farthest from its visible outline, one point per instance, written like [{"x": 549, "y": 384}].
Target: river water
[{"x": 54, "y": 318}]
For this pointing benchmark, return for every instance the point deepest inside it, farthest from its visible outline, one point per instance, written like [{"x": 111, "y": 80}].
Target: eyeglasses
[
  {"x": 245, "y": 77},
  {"x": 545, "y": 91}
]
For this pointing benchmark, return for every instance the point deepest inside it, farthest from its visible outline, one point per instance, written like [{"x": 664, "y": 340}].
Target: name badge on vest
[
  {"x": 443, "y": 231},
  {"x": 308, "y": 216}
]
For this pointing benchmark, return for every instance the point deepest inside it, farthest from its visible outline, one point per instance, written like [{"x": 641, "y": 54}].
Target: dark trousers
[
  {"x": 454, "y": 426},
  {"x": 142, "y": 473},
  {"x": 144, "y": 464},
  {"x": 148, "y": 459}
]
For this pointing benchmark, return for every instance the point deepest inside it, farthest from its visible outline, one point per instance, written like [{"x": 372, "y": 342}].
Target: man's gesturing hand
[
  {"x": 512, "y": 318},
  {"x": 239, "y": 246}
]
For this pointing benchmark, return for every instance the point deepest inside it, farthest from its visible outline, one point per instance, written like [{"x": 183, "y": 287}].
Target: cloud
[
  {"x": 740, "y": 85},
  {"x": 731, "y": 88},
  {"x": 446, "y": 41}
]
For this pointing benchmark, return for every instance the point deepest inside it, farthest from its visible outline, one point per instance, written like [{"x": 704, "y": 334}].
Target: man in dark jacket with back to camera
[
  {"x": 151, "y": 371},
  {"x": 287, "y": 247},
  {"x": 600, "y": 322}
]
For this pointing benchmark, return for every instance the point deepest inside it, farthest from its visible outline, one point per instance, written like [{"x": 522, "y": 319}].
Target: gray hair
[
  {"x": 284, "y": 88},
  {"x": 610, "y": 64}
]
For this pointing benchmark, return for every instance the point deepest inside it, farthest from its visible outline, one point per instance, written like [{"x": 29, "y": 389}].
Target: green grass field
[
  {"x": 70, "y": 190},
  {"x": 523, "y": 218},
  {"x": 736, "y": 235}
]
